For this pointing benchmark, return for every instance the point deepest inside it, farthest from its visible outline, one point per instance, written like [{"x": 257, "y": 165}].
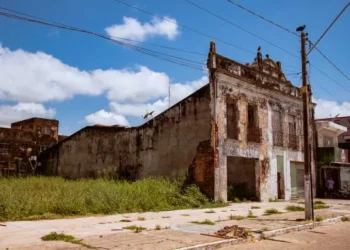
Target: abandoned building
[
  {"x": 21, "y": 144},
  {"x": 240, "y": 135}
]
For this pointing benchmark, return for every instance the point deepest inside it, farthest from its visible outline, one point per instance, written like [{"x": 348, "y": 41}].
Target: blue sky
[{"x": 68, "y": 59}]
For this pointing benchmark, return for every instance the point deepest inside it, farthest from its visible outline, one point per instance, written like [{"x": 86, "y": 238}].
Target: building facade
[
  {"x": 238, "y": 136},
  {"x": 21, "y": 144}
]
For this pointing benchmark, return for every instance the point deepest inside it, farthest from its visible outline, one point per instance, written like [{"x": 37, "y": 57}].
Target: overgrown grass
[
  {"x": 236, "y": 217},
  {"x": 271, "y": 211},
  {"x": 53, "y": 197},
  {"x": 293, "y": 208},
  {"x": 204, "y": 222},
  {"x": 344, "y": 218},
  {"x": 53, "y": 236},
  {"x": 136, "y": 229},
  {"x": 319, "y": 218}
]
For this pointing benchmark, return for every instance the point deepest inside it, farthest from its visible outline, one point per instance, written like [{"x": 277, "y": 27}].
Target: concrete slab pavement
[{"x": 108, "y": 230}]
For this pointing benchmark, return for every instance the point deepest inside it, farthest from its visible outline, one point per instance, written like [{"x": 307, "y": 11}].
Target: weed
[
  {"x": 237, "y": 200},
  {"x": 250, "y": 214},
  {"x": 204, "y": 222},
  {"x": 293, "y": 208},
  {"x": 135, "y": 228},
  {"x": 125, "y": 220},
  {"x": 319, "y": 202},
  {"x": 166, "y": 217},
  {"x": 271, "y": 211},
  {"x": 264, "y": 229},
  {"x": 141, "y": 218},
  {"x": 344, "y": 218},
  {"x": 320, "y": 206},
  {"x": 210, "y": 212},
  {"x": 185, "y": 215},
  {"x": 319, "y": 218},
  {"x": 255, "y": 207},
  {"x": 157, "y": 227},
  {"x": 236, "y": 217},
  {"x": 53, "y": 236},
  {"x": 34, "y": 198},
  {"x": 274, "y": 200}
]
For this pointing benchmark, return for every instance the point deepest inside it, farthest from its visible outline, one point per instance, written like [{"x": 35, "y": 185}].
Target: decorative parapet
[{"x": 264, "y": 73}]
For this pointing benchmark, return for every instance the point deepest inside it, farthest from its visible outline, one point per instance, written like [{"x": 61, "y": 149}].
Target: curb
[
  {"x": 272, "y": 233},
  {"x": 217, "y": 244},
  {"x": 264, "y": 235}
]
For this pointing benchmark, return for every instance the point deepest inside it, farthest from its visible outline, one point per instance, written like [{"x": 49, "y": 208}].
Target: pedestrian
[{"x": 330, "y": 187}]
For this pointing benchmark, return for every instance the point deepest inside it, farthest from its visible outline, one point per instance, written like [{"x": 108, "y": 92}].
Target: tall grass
[{"x": 54, "y": 197}]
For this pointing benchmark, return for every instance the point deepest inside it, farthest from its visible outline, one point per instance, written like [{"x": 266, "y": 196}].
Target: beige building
[{"x": 238, "y": 136}]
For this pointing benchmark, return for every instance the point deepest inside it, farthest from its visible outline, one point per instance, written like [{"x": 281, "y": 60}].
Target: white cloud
[
  {"x": 326, "y": 108},
  {"x": 106, "y": 118},
  {"x": 131, "y": 109},
  {"x": 21, "y": 111},
  {"x": 133, "y": 29},
  {"x": 39, "y": 77}
]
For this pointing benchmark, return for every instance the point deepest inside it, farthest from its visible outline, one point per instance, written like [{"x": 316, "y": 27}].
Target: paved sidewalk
[{"x": 106, "y": 232}]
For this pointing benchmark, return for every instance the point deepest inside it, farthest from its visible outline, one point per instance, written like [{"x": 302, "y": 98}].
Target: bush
[
  {"x": 271, "y": 211},
  {"x": 293, "y": 208},
  {"x": 53, "y": 197}
]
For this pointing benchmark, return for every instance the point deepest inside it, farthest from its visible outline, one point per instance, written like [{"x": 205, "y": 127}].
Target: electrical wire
[
  {"x": 263, "y": 18},
  {"x": 160, "y": 55},
  {"x": 240, "y": 27},
  {"x": 120, "y": 38},
  {"x": 185, "y": 27}
]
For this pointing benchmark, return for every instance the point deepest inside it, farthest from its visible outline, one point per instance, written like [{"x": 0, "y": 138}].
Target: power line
[
  {"x": 160, "y": 55},
  {"x": 324, "y": 33},
  {"x": 333, "y": 64},
  {"x": 120, "y": 38},
  {"x": 265, "y": 19},
  {"x": 240, "y": 27},
  {"x": 186, "y": 27},
  {"x": 289, "y": 31}
]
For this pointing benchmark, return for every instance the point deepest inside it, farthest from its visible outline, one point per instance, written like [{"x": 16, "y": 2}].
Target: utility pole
[{"x": 307, "y": 156}]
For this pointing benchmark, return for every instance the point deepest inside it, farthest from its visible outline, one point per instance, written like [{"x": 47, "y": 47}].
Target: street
[{"x": 335, "y": 236}]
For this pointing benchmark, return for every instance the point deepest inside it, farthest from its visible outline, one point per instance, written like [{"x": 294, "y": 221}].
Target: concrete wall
[{"x": 174, "y": 142}]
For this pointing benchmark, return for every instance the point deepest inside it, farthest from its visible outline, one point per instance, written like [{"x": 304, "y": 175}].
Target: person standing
[{"x": 330, "y": 187}]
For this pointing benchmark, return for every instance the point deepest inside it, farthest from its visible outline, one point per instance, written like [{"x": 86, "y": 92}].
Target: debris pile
[{"x": 232, "y": 232}]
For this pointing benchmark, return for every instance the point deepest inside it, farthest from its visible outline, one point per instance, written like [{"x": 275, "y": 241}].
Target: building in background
[
  {"x": 21, "y": 144},
  {"x": 238, "y": 136},
  {"x": 333, "y": 155}
]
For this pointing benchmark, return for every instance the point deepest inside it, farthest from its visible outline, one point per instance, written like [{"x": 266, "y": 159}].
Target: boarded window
[
  {"x": 4, "y": 148},
  {"x": 232, "y": 119},
  {"x": 252, "y": 116},
  {"x": 277, "y": 128}
]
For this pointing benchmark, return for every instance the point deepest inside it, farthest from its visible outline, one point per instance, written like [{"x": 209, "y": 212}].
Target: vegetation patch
[
  {"x": 166, "y": 217},
  {"x": 255, "y": 207},
  {"x": 264, "y": 229},
  {"x": 185, "y": 215},
  {"x": 344, "y": 218},
  {"x": 319, "y": 218},
  {"x": 236, "y": 217},
  {"x": 34, "y": 198},
  {"x": 53, "y": 236},
  {"x": 294, "y": 208},
  {"x": 271, "y": 211},
  {"x": 141, "y": 218},
  {"x": 320, "y": 206},
  {"x": 250, "y": 214},
  {"x": 136, "y": 229},
  {"x": 204, "y": 222},
  {"x": 157, "y": 227},
  {"x": 123, "y": 220},
  {"x": 210, "y": 212},
  {"x": 275, "y": 200},
  {"x": 319, "y": 203}
]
